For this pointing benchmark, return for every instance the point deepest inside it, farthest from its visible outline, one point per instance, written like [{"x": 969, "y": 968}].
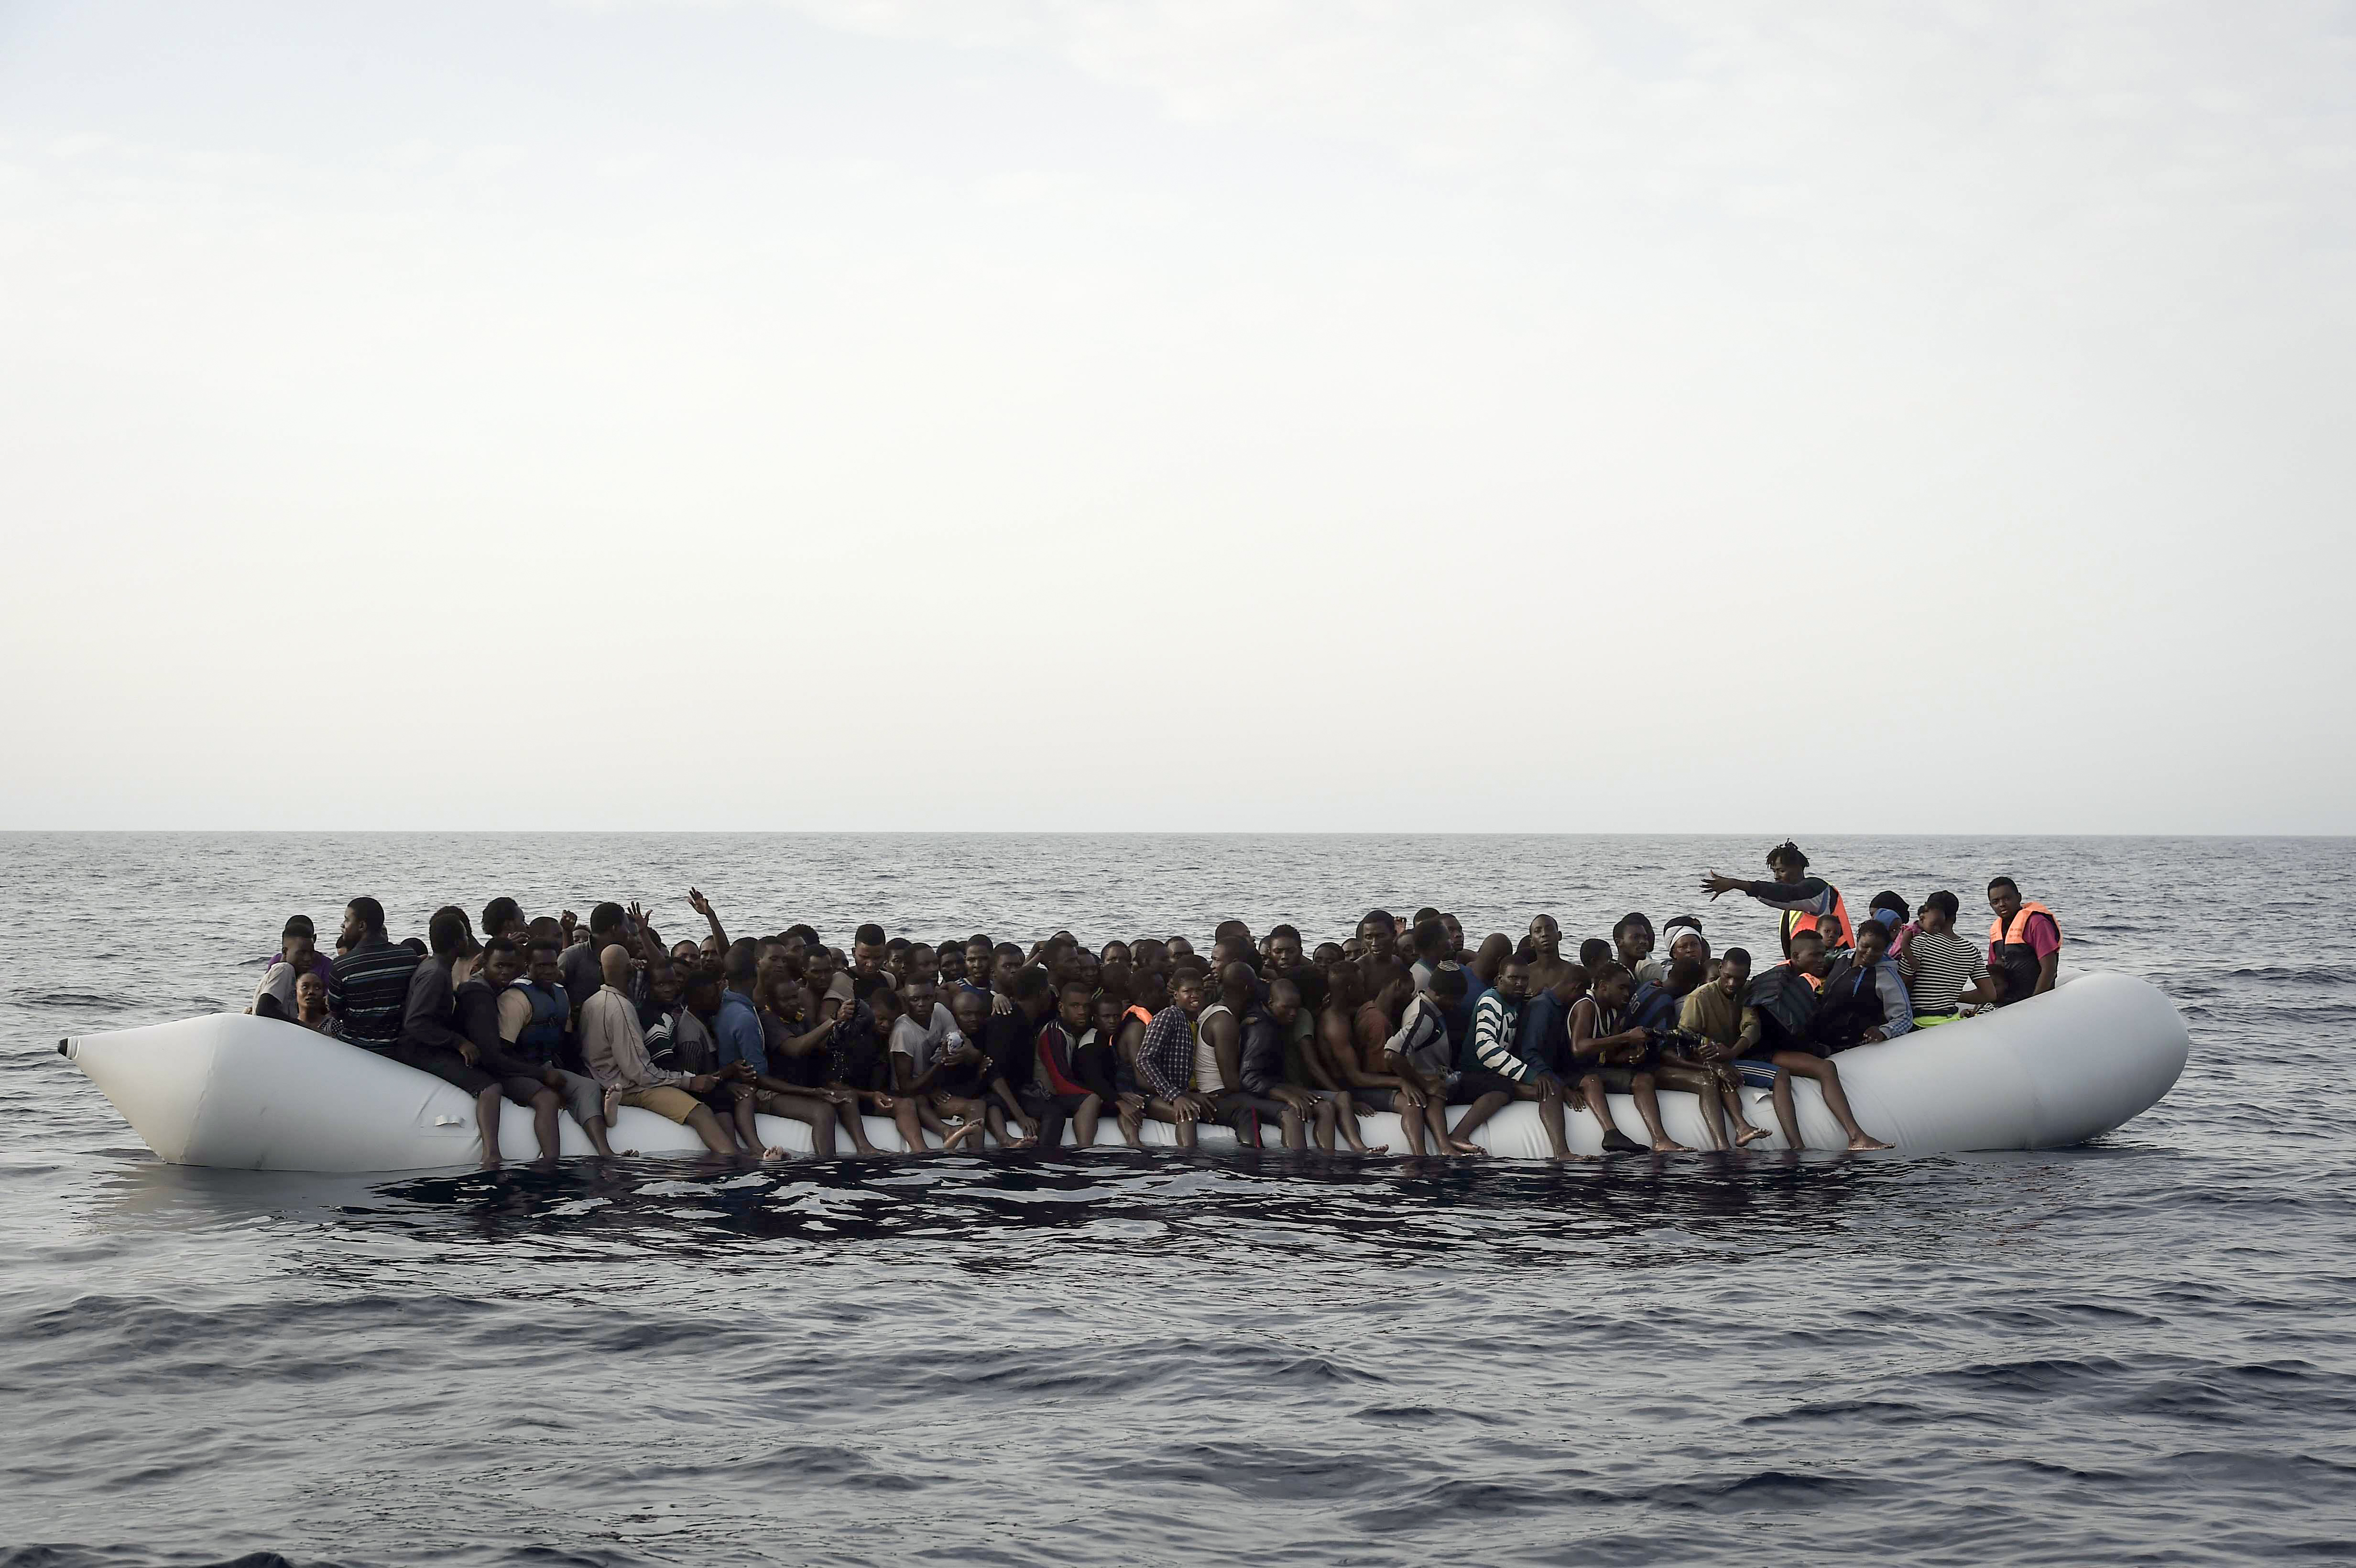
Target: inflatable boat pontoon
[{"x": 260, "y": 1095}]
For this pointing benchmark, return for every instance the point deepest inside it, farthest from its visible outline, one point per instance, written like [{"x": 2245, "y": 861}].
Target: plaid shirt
[{"x": 1166, "y": 1059}]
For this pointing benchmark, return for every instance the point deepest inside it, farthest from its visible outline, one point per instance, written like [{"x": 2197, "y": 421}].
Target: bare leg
[
  {"x": 1703, "y": 1087},
  {"x": 1484, "y": 1107},
  {"x": 707, "y": 1127},
  {"x": 1295, "y": 1137},
  {"x": 486, "y": 1124},
  {"x": 595, "y": 1128},
  {"x": 1648, "y": 1105},
  {"x": 1828, "y": 1077},
  {"x": 1592, "y": 1096},
  {"x": 1345, "y": 1122},
  {"x": 1084, "y": 1119},
  {"x": 853, "y": 1123},
  {"x": 815, "y": 1115},
  {"x": 907, "y": 1116},
  {"x": 1786, "y": 1116},
  {"x": 544, "y": 1107},
  {"x": 1326, "y": 1117},
  {"x": 742, "y": 1113},
  {"x": 1550, "y": 1119},
  {"x": 1730, "y": 1087},
  {"x": 1164, "y": 1111}
]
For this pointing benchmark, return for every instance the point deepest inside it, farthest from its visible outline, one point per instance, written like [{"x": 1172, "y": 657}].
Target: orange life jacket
[
  {"x": 1834, "y": 928},
  {"x": 2010, "y": 955}
]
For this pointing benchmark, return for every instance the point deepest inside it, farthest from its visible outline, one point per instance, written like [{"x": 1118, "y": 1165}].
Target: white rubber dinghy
[{"x": 258, "y": 1094}]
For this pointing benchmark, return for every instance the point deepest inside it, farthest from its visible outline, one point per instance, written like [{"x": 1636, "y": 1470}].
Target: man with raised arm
[{"x": 1808, "y": 903}]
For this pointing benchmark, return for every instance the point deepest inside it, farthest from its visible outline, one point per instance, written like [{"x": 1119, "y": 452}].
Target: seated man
[
  {"x": 738, "y": 1053},
  {"x": 1096, "y": 1058},
  {"x": 920, "y": 1045},
  {"x": 534, "y": 1023},
  {"x": 1263, "y": 1068},
  {"x": 2024, "y": 944},
  {"x": 1072, "y": 1089},
  {"x": 1631, "y": 942},
  {"x": 1943, "y": 973},
  {"x": 368, "y": 985},
  {"x": 1547, "y": 965},
  {"x": 1295, "y": 1002},
  {"x": 1423, "y": 1052},
  {"x": 1010, "y": 1040},
  {"x": 1620, "y": 1058},
  {"x": 1785, "y": 1004},
  {"x": 616, "y": 1052},
  {"x": 1492, "y": 1071},
  {"x": 1362, "y": 1047},
  {"x": 1218, "y": 1058},
  {"x": 956, "y": 1079},
  {"x": 1714, "y": 1083},
  {"x": 1724, "y": 1028},
  {"x": 1863, "y": 1001},
  {"x": 867, "y": 1070},
  {"x": 541, "y": 1089},
  {"x": 430, "y": 1043},
  {"x": 917, "y": 1046},
  {"x": 1166, "y": 1059}
]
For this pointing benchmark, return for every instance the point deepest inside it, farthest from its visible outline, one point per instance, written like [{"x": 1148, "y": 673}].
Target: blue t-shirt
[{"x": 737, "y": 1033}]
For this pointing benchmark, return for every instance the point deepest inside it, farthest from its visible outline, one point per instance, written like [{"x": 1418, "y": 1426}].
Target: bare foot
[
  {"x": 491, "y": 1161},
  {"x": 773, "y": 1152},
  {"x": 1865, "y": 1141},
  {"x": 1747, "y": 1137},
  {"x": 1371, "y": 1148},
  {"x": 1669, "y": 1145},
  {"x": 958, "y": 1135},
  {"x": 1465, "y": 1146},
  {"x": 612, "y": 1106}
]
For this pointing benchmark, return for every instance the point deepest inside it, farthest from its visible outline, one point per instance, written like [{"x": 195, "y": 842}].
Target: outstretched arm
[{"x": 703, "y": 906}]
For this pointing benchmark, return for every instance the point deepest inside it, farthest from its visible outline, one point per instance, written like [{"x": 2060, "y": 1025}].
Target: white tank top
[{"x": 1206, "y": 1061}]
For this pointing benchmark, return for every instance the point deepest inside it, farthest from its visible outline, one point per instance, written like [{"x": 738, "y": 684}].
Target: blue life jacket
[
  {"x": 1654, "y": 1007},
  {"x": 551, "y": 1011}
]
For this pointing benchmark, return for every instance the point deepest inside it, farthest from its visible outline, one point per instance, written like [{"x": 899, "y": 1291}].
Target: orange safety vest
[
  {"x": 1835, "y": 927},
  {"x": 2010, "y": 955}
]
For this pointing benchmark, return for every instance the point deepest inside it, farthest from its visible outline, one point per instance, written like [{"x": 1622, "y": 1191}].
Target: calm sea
[{"x": 2138, "y": 1353}]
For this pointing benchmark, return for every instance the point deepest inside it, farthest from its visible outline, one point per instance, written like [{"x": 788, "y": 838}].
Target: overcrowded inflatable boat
[{"x": 253, "y": 1094}]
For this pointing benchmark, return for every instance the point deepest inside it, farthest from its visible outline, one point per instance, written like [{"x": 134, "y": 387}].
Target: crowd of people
[{"x": 980, "y": 1043}]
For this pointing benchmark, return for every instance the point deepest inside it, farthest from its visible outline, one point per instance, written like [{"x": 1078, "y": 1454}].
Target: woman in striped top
[{"x": 1943, "y": 971}]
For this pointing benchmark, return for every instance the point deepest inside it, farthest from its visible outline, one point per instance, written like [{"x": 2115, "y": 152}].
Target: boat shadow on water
[{"x": 990, "y": 1213}]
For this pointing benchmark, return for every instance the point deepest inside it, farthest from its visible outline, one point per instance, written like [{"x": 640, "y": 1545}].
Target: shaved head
[{"x": 614, "y": 962}]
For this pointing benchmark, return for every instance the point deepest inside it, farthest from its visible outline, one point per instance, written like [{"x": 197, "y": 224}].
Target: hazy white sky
[{"x": 1486, "y": 414}]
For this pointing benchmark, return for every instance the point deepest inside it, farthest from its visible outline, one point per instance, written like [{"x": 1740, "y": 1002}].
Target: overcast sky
[{"x": 1482, "y": 414}]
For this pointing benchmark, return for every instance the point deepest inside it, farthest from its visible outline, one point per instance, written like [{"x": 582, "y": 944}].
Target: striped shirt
[
  {"x": 366, "y": 989},
  {"x": 1940, "y": 968},
  {"x": 1496, "y": 1023}
]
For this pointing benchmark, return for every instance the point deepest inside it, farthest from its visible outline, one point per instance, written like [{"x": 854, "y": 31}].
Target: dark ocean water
[{"x": 2138, "y": 1353}]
